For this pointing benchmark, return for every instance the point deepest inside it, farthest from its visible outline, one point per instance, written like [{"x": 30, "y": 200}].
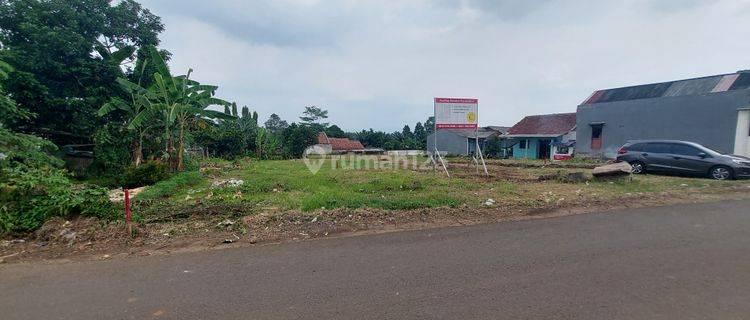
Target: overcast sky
[{"x": 378, "y": 64}]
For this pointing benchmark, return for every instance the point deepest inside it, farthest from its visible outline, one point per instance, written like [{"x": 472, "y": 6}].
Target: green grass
[
  {"x": 296, "y": 188},
  {"x": 277, "y": 186},
  {"x": 171, "y": 186},
  {"x": 289, "y": 185}
]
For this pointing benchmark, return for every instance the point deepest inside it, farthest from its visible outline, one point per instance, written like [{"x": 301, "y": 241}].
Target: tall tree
[
  {"x": 67, "y": 55},
  {"x": 419, "y": 132},
  {"x": 275, "y": 125},
  {"x": 261, "y": 138},
  {"x": 406, "y": 132},
  {"x": 133, "y": 108},
  {"x": 181, "y": 102},
  {"x": 248, "y": 123},
  {"x": 335, "y": 132},
  {"x": 296, "y": 139},
  {"x": 313, "y": 116},
  {"x": 143, "y": 73},
  {"x": 9, "y": 111},
  {"x": 429, "y": 125},
  {"x": 420, "y": 135}
]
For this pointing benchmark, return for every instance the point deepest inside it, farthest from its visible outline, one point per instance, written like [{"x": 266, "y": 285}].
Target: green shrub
[
  {"x": 29, "y": 196},
  {"x": 146, "y": 174},
  {"x": 163, "y": 189},
  {"x": 112, "y": 149},
  {"x": 20, "y": 149}
]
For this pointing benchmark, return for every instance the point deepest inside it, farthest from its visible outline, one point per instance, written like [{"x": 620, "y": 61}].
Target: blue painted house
[{"x": 535, "y": 137}]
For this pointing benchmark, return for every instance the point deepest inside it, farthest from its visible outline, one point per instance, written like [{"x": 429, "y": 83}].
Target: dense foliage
[
  {"x": 145, "y": 174},
  {"x": 33, "y": 187},
  {"x": 90, "y": 73},
  {"x": 406, "y": 139},
  {"x": 167, "y": 110},
  {"x": 297, "y": 138},
  {"x": 67, "y": 55},
  {"x": 18, "y": 149},
  {"x": 31, "y": 195}
]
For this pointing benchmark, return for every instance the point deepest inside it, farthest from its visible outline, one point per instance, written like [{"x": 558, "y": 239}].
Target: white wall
[{"x": 742, "y": 136}]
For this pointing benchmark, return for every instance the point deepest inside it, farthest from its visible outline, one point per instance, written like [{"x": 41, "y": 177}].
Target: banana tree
[
  {"x": 138, "y": 113},
  {"x": 181, "y": 102}
]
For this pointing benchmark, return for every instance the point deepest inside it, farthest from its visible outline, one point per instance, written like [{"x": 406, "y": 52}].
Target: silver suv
[{"x": 682, "y": 157}]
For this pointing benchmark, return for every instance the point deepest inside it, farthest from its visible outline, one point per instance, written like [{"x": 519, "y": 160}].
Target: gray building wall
[
  {"x": 709, "y": 119},
  {"x": 449, "y": 142}
]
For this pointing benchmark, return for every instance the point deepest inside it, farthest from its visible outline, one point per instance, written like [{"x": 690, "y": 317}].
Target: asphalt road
[{"x": 680, "y": 262}]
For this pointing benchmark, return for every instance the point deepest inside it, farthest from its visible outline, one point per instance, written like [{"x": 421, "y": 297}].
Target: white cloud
[{"x": 379, "y": 63}]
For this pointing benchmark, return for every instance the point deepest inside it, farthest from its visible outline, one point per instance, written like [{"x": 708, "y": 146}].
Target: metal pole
[
  {"x": 434, "y": 136},
  {"x": 444, "y": 166},
  {"x": 481, "y": 156},
  {"x": 434, "y": 132},
  {"x": 476, "y": 142}
]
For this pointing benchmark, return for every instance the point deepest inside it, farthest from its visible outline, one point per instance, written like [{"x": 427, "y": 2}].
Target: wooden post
[{"x": 128, "y": 214}]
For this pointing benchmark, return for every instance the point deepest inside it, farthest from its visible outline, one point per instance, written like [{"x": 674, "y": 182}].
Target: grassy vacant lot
[
  {"x": 289, "y": 185},
  {"x": 278, "y": 186},
  {"x": 282, "y": 200}
]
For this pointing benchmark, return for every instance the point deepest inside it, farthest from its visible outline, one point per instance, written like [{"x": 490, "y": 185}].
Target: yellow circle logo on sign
[{"x": 471, "y": 117}]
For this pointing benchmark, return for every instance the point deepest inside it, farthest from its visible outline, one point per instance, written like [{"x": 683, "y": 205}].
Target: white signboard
[{"x": 456, "y": 113}]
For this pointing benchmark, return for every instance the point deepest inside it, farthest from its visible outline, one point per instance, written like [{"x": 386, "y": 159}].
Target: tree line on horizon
[
  {"x": 90, "y": 72},
  {"x": 77, "y": 74}
]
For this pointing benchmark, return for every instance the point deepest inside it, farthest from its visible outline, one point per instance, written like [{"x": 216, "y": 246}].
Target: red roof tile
[
  {"x": 345, "y": 144},
  {"x": 322, "y": 138},
  {"x": 547, "y": 124},
  {"x": 340, "y": 143}
]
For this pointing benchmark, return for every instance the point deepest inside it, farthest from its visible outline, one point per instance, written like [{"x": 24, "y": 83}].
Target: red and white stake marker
[{"x": 128, "y": 214}]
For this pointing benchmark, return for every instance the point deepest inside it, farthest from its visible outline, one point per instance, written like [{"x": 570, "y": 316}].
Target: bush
[
  {"x": 18, "y": 149},
  {"x": 168, "y": 187},
  {"x": 493, "y": 148},
  {"x": 146, "y": 174},
  {"x": 29, "y": 196},
  {"x": 112, "y": 149}
]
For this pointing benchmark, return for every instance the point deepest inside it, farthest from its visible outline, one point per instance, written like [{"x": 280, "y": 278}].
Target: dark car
[{"x": 682, "y": 157}]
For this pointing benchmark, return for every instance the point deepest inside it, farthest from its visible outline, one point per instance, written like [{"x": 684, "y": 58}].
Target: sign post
[
  {"x": 457, "y": 113},
  {"x": 128, "y": 213}
]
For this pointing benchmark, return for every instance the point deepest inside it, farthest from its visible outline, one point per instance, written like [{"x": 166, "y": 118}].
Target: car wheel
[
  {"x": 638, "y": 167},
  {"x": 720, "y": 173}
]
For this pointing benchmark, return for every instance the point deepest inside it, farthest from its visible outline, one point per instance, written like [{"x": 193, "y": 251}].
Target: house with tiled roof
[
  {"x": 536, "y": 137},
  {"x": 339, "y": 145},
  {"x": 713, "y": 111}
]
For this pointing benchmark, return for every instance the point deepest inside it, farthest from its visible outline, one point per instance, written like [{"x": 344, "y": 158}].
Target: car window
[
  {"x": 685, "y": 150},
  {"x": 636, "y": 147},
  {"x": 657, "y": 147}
]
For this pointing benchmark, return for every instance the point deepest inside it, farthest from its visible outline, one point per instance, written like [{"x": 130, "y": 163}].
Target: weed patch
[
  {"x": 286, "y": 185},
  {"x": 171, "y": 186}
]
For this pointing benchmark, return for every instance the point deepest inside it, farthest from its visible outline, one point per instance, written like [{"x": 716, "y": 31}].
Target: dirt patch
[
  {"x": 506, "y": 173},
  {"x": 210, "y": 227},
  {"x": 543, "y": 164},
  {"x": 118, "y": 195}
]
